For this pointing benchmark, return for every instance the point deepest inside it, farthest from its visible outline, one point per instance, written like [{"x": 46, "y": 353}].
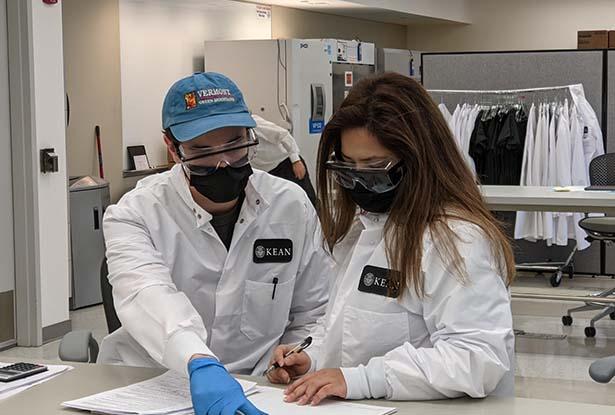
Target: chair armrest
[
  {"x": 603, "y": 370},
  {"x": 78, "y": 346}
]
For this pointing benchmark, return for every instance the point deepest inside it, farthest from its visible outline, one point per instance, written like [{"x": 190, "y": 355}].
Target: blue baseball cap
[{"x": 203, "y": 102}]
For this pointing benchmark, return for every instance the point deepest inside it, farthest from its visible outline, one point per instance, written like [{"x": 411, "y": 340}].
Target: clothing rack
[
  {"x": 498, "y": 91},
  {"x": 522, "y": 98},
  {"x": 504, "y": 96},
  {"x": 516, "y": 72}
]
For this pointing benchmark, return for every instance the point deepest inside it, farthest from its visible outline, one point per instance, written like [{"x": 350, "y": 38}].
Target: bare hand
[
  {"x": 313, "y": 388},
  {"x": 295, "y": 365},
  {"x": 299, "y": 169}
]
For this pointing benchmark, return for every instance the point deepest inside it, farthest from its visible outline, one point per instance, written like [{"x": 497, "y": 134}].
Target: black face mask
[
  {"x": 224, "y": 185},
  {"x": 371, "y": 201}
]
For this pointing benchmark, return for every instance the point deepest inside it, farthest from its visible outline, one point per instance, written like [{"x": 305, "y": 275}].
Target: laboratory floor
[{"x": 552, "y": 361}]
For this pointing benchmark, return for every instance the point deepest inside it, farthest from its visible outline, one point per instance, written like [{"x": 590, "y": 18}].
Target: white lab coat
[
  {"x": 539, "y": 160},
  {"x": 579, "y": 174},
  {"x": 177, "y": 291},
  {"x": 525, "y": 223},
  {"x": 275, "y": 145},
  {"x": 456, "y": 122},
  {"x": 448, "y": 117},
  {"x": 563, "y": 151},
  {"x": 593, "y": 144},
  {"x": 457, "y": 340},
  {"x": 550, "y": 172}
]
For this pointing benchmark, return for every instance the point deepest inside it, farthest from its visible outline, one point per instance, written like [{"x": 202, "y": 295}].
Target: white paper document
[
  {"x": 169, "y": 394},
  {"x": 12, "y": 388},
  {"x": 166, "y": 394},
  {"x": 141, "y": 162},
  {"x": 270, "y": 400}
]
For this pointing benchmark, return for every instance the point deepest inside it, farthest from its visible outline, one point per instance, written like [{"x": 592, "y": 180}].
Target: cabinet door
[
  {"x": 87, "y": 246},
  {"x": 7, "y": 250}
]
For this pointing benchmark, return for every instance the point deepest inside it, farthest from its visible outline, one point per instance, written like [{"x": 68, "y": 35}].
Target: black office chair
[
  {"x": 80, "y": 345},
  {"x": 113, "y": 322},
  {"x": 601, "y": 173}
]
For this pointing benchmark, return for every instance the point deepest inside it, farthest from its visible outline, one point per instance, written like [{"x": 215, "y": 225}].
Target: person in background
[
  {"x": 278, "y": 154},
  {"x": 212, "y": 264},
  {"x": 420, "y": 307}
]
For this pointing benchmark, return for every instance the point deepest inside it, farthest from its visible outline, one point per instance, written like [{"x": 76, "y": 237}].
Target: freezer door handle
[
  {"x": 318, "y": 102},
  {"x": 96, "y": 219}
]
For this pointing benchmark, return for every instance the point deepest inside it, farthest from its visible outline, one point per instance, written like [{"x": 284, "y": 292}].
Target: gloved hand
[{"x": 215, "y": 392}]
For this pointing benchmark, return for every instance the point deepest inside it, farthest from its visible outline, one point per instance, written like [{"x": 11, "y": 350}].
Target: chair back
[
  {"x": 602, "y": 170},
  {"x": 113, "y": 322}
]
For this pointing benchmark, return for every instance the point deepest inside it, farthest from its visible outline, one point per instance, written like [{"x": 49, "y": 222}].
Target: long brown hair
[{"x": 437, "y": 185}]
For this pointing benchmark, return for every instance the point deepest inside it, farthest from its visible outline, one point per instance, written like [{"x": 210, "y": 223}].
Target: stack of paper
[
  {"x": 12, "y": 388},
  {"x": 169, "y": 394},
  {"x": 163, "y": 395},
  {"x": 270, "y": 400}
]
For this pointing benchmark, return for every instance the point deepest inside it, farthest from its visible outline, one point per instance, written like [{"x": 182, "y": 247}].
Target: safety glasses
[
  {"x": 379, "y": 177},
  {"x": 205, "y": 161}
]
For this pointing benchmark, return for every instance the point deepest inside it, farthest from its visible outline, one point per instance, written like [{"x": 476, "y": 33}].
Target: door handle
[{"x": 96, "y": 219}]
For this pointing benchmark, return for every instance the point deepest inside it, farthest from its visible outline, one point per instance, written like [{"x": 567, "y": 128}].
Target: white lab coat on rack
[
  {"x": 525, "y": 224},
  {"x": 578, "y": 173},
  {"x": 593, "y": 144},
  {"x": 448, "y": 117},
  {"x": 556, "y": 154},
  {"x": 539, "y": 158},
  {"x": 461, "y": 123},
  {"x": 550, "y": 171},
  {"x": 546, "y": 160},
  {"x": 563, "y": 150}
]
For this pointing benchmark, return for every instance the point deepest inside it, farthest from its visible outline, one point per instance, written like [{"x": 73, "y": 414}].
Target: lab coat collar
[
  {"x": 372, "y": 220},
  {"x": 254, "y": 202},
  {"x": 178, "y": 178},
  {"x": 255, "y": 199}
]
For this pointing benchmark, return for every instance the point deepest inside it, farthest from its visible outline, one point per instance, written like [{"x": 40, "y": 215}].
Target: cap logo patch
[
  {"x": 190, "y": 99},
  {"x": 214, "y": 95}
]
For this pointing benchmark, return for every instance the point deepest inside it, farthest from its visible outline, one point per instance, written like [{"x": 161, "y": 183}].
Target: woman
[{"x": 420, "y": 307}]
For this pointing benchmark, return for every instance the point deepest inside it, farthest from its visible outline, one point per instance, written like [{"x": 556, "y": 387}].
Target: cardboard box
[
  {"x": 593, "y": 39},
  {"x": 611, "y": 39}
]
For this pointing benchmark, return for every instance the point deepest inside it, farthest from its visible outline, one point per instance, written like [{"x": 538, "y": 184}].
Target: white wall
[
  {"x": 289, "y": 23},
  {"x": 7, "y": 258},
  {"x": 161, "y": 42},
  {"x": 516, "y": 25},
  {"x": 52, "y": 187},
  {"x": 454, "y": 10}
]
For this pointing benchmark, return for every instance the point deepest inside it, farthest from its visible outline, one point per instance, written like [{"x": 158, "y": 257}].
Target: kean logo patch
[
  {"x": 375, "y": 280},
  {"x": 272, "y": 251}
]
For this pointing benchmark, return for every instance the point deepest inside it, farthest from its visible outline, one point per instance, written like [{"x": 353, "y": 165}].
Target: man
[
  {"x": 278, "y": 154},
  {"x": 212, "y": 263}
]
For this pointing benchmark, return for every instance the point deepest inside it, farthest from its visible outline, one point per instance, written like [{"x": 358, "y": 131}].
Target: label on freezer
[
  {"x": 348, "y": 78},
  {"x": 316, "y": 127}
]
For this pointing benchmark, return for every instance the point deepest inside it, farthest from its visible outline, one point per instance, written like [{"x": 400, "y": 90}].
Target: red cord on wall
[{"x": 101, "y": 171}]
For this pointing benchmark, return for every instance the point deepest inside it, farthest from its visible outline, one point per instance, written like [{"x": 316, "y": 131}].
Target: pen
[{"x": 297, "y": 349}]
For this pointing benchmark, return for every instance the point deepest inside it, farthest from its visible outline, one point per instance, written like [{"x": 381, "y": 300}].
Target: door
[
  {"x": 345, "y": 76},
  {"x": 7, "y": 251}
]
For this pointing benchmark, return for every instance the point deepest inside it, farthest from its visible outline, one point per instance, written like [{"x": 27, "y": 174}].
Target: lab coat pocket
[
  {"x": 368, "y": 334},
  {"x": 265, "y": 311}
]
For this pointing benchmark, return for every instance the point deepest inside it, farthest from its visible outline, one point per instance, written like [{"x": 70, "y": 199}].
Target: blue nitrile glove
[{"x": 215, "y": 392}]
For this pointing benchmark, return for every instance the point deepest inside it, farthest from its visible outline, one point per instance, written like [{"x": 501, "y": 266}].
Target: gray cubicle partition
[
  {"x": 531, "y": 69},
  {"x": 517, "y": 70}
]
